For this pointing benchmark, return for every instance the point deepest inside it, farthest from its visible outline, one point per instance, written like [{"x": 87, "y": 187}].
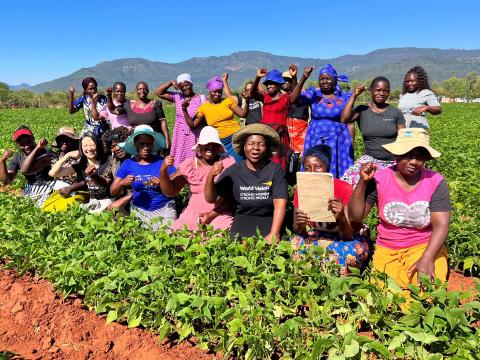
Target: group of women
[{"x": 236, "y": 174}]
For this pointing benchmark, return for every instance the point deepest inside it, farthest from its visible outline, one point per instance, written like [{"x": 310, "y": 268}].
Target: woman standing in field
[
  {"x": 413, "y": 209},
  {"x": 341, "y": 237},
  {"x": 116, "y": 120},
  {"x": 417, "y": 99},
  {"x": 33, "y": 161},
  {"x": 185, "y": 134},
  {"x": 193, "y": 172},
  {"x": 379, "y": 124},
  {"x": 326, "y": 104},
  {"x": 141, "y": 173},
  {"x": 92, "y": 104},
  {"x": 218, "y": 112},
  {"x": 256, "y": 187},
  {"x": 276, "y": 106},
  {"x": 144, "y": 111}
]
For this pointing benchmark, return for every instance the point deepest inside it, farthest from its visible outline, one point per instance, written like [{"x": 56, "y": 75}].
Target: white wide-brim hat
[{"x": 208, "y": 135}]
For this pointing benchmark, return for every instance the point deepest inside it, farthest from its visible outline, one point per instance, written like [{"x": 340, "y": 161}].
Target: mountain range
[{"x": 392, "y": 63}]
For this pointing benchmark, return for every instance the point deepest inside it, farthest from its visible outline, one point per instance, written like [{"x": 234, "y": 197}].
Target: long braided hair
[{"x": 422, "y": 78}]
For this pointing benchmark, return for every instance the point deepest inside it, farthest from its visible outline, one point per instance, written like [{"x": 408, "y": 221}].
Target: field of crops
[{"x": 252, "y": 300}]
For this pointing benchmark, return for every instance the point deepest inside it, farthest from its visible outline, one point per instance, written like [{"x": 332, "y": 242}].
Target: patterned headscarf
[
  {"x": 330, "y": 70},
  {"x": 214, "y": 84},
  {"x": 323, "y": 152}
]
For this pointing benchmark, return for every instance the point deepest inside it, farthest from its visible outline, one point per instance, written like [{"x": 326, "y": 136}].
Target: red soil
[{"x": 36, "y": 323}]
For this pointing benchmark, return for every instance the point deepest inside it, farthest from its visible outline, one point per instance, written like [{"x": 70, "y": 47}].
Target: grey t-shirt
[
  {"x": 379, "y": 129},
  {"x": 410, "y": 101}
]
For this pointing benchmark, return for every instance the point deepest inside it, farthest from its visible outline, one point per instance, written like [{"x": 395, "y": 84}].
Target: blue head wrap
[
  {"x": 330, "y": 70},
  {"x": 323, "y": 152}
]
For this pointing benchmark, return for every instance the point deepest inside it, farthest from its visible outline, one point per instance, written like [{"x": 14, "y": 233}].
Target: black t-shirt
[
  {"x": 16, "y": 163},
  {"x": 379, "y": 129},
  {"x": 252, "y": 193},
  {"x": 254, "y": 115},
  {"x": 298, "y": 112},
  {"x": 96, "y": 191}
]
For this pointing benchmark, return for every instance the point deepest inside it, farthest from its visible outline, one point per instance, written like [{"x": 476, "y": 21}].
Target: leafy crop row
[{"x": 246, "y": 300}]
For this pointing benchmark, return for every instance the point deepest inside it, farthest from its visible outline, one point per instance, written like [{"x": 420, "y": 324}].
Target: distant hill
[
  {"x": 20, "y": 87},
  {"x": 392, "y": 63}
]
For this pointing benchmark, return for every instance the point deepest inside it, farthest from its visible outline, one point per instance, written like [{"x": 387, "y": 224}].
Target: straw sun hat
[
  {"x": 409, "y": 139},
  {"x": 266, "y": 131}
]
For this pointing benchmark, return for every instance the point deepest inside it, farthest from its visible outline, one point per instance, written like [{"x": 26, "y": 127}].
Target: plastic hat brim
[
  {"x": 252, "y": 129},
  {"x": 402, "y": 148},
  {"x": 129, "y": 147}
]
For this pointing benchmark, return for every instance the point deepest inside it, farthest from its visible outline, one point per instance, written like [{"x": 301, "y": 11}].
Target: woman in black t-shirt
[
  {"x": 256, "y": 187},
  {"x": 379, "y": 124}
]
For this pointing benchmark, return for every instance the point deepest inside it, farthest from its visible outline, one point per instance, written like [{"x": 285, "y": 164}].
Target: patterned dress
[
  {"x": 275, "y": 114},
  {"x": 325, "y": 127},
  {"x": 184, "y": 137}
]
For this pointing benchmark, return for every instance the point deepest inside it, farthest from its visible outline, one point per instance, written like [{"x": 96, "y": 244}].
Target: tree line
[{"x": 467, "y": 88}]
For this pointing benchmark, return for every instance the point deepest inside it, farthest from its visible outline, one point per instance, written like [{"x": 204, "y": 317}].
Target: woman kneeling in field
[
  {"x": 142, "y": 172},
  {"x": 193, "y": 172},
  {"x": 413, "y": 208},
  {"x": 341, "y": 237},
  {"x": 256, "y": 187}
]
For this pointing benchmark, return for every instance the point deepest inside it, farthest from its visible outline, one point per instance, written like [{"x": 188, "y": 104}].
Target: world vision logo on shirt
[{"x": 268, "y": 183}]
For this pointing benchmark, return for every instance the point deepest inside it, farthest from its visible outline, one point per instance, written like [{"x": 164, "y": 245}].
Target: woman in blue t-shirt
[{"x": 142, "y": 172}]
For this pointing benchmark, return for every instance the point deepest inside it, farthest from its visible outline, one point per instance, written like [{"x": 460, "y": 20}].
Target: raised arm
[
  {"x": 95, "y": 114},
  {"x": 110, "y": 104},
  {"x": 242, "y": 111},
  {"x": 226, "y": 89},
  {"x": 71, "y": 94},
  {"x": 358, "y": 208},
  {"x": 171, "y": 185},
  {"x": 162, "y": 90},
  {"x": 255, "y": 91},
  {"x": 6, "y": 177},
  {"x": 298, "y": 87},
  {"x": 197, "y": 119},
  {"x": 34, "y": 163},
  {"x": 58, "y": 170},
  {"x": 210, "y": 190},
  {"x": 348, "y": 115}
]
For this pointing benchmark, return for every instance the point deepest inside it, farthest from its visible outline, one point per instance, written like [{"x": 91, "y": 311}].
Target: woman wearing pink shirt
[
  {"x": 193, "y": 172},
  {"x": 413, "y": 209},
  {"x": 116, "y": 120}
]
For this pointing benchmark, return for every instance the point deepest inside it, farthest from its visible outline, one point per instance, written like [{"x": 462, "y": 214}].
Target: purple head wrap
[{"x": 214, "y": 84}]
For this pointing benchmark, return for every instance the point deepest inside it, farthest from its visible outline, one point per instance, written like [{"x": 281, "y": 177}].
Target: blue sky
[{"x": 44, "y": 40}]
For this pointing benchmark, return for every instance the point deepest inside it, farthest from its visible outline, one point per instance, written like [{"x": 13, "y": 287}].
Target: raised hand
[
  {"x": 7, "y": 154},
  {"x": 336, "y": 206},
  {"x": 359, "y": 90},
  {"x": 175, "y": 84},
  {"x": 217, "y": 168},
  {"x": 128, "y": 180},
  {"x": 71, "y": 89},
  {"x": 186, "y": 103},
  {"x": 42, "y": 143},
  {"x": 168, "y": 161},
  {"x": 95, "y": 97},
  {"x": 75, "y": 154},
  {"x": 367, "y": 171},
  {"x": 262, "y": 72},
  {"x": 225, "y": 77},
  {"x": 293, "y": 69},
  {"x": 302, "y": 218},
  {"x": 109, "y": 91},
  {"x": 308, "y": 71},
  {"x": 90, "y": 170}
]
